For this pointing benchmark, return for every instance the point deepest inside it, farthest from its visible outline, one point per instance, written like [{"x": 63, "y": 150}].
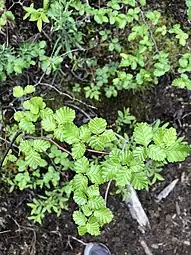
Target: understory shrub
[
  {"x": 136, "y": 45},
  {"x": 66, "y": 161}
]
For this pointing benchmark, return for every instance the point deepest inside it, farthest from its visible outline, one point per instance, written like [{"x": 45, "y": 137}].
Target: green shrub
[
  {"x": 135, "y": 48},
  {"x": 68, "y": 161}
]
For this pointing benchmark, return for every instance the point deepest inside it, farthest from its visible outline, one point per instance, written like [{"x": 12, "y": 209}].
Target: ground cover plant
[
  {"x": 64, "y": 155},
  {"x": 136, "y": 162},
  {"x": 141, "y": 51}
]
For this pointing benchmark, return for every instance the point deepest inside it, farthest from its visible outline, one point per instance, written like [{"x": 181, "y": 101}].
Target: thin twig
[
  {"x": 107, "y": 191},
  {"x": 75, "y": 75},
  {"x": 150, "y": 31},
  {"x": 13, "y": 145},
  {"x": 21, "y": 228},
  {"x": 145, "y": 247},
  {"x": 98, "y": 152},
  {"x": 10, "y": 145},
  {"x": 78, "y": 240},
  {"x": 65, "y": 94},
  {"x": 79, "y": 109},
  {"x": 5, "y": 231},
  {"x": 50, "y": 140},
  {"x": 51, "y": 62},
  {"x": 57, "y": 90},
  {"x": 60, "y": 147}
]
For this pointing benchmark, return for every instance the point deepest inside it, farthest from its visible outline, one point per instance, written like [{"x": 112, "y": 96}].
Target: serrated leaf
[
  {"x": 64, "y": 115},
  {"x": 115, "y": 156},
  {"x": 82, "y": 230},
  {"x": 96, "y": 203},
  {"x": 41, "y": 146},
  {"x": 97, "y": 125},
  {"x": 48, "y": 123},
  {"x": 70, "y": 133},
  {"x": 126, "y": 157},
  {"x": 139, "y": 180},
  {"x": 143, "y": 134},
  {"x": 86, "y": 210},
  {"x": 109, "y": 170},
  {"x": 19, "y": 115},
  {"x": 85, "y": 133},
  {"x": 78, "y": 150},
  {"x": 46, "y": 112},
  {"x": 80, "y": 182},
  {"x": 108, "y": 136},
  {"x": 177, "y": 152},
  {"x": 34, "y": 160},
  {"x": 94, "y": 174},
  {"x": 79, "y": 218},
  {"x": 97, "y": 143},
  {"x": 26, "y": 147},
  {"x": 29, "y": 116},
  {"x": 93, "y": 191},
  {"x": 29, "y": 89},
  {"x": 81, "y": 165},
  {"x": 80, "y": 198},
  {"x": 103, "y": 215},
  {"x": 123, "y": 176},
  {"x": 18, "y": 91},
  {"x": 156, "y": 153},
  {"x": 170, "y": 136},
  {"x": 59, "y": 133},
  {"x": 93, "y": 228},
  {"x": 158, "y": 136},
  {"x": 139, "y": 153},
  {"x": 27, "y": 126}
]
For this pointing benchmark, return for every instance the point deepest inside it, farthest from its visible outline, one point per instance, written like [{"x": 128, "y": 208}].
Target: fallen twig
[
  {"x": 5, "y": 231},
  {"x": 166, "y": 191},
  {"x": 65, "y": 94},
  {"x": 136, "y": 209},
  {"x": 145, "y": 247},
  {"x": 107, "y": 191}
]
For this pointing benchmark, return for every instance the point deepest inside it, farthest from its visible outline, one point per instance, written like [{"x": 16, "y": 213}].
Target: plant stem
[
  {"x": 59, "y": 146},
  {"x": 65, "y": 94},
  {"x": 50, "y": 140},
  {"x": 107, "y": 191},
  {"x": 98, "y": 152},
  {"x": 150, "y": 31},
  {"x": 10, "y": 145}
]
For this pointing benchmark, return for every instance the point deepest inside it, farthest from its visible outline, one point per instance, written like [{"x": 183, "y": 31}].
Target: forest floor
[{"x": 170, "y": 219}]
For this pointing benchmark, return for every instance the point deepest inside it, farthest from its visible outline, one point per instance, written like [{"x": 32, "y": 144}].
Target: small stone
[
  {"x": 155, "y": 246},
  {"x": 187, "y": 243}
]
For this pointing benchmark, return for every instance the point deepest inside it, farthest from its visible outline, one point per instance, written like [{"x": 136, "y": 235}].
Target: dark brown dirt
[{"x": 170, "y": 219}]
